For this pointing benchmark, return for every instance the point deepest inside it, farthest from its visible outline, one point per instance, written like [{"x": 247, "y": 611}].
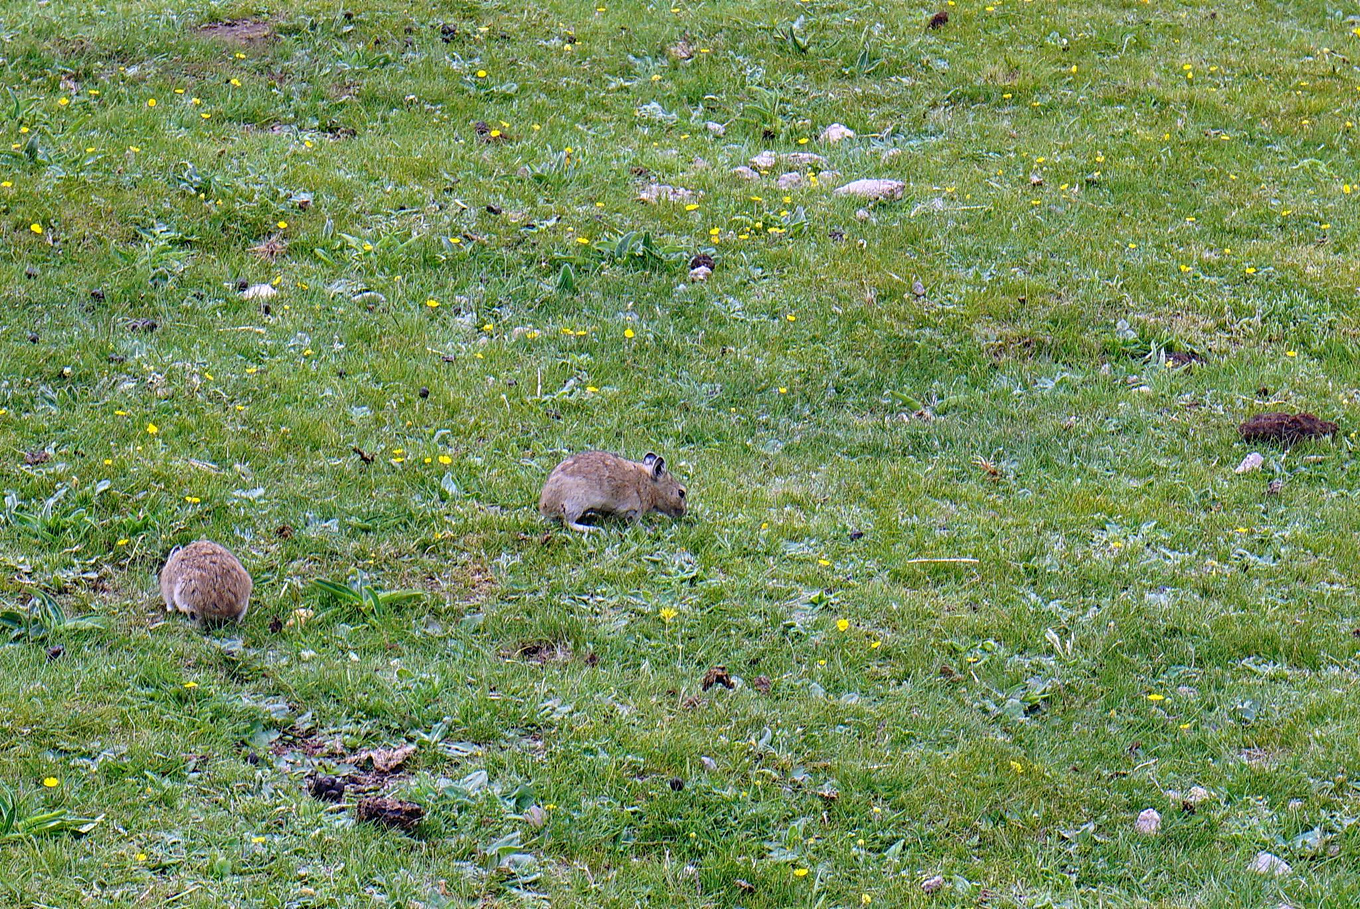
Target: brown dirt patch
[
  {"x": 541, "y": 652},
  {"x": 1286, "y": 428},
  {"x": 238, "y": 31}
]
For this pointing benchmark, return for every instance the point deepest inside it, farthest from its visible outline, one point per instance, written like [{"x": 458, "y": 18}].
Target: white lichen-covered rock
[
  {"x": 1269, "y": 865},
  {"x": 716, "y": 129},
  {"x": 862, "y": 214},
  {"x": 932, "y": 884},
  {"x": 789, "y": 180},
  {"x": 259, "y": 292},
  {"x": 836, "y": 132},
  {"x": 765, "y": 160},
  {"x": 700, "y": 274},
  {"x": 803, "y": 159},
  {"x": 660, "y": 192},
  {"x": 873, "y": 189},
  {"x": 745, "y": 173},
  {"x": 1149, "y": 822},
  {"x": 1251, "y": 462}
]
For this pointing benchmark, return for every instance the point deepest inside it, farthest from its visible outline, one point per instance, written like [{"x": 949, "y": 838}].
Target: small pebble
[
  {"x": 1149, "y": 822},
  {"x": 1197, "y": 795},
  {"x": 1251, "y": 462},
  {"x": 836, "y": 132},
  {"x": 873, "y": 189},
  {"x": 932, "y": 884},
  {"x": 1269, "y": 865},
  {"x": 259, "y": 292}
]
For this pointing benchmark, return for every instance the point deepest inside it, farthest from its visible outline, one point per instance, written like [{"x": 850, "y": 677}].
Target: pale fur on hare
[
  {"x": 207, "y": 583},
  {"x": 604, "y": 484}
]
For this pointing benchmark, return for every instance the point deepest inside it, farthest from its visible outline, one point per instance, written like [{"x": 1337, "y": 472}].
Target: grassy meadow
[{"x": 965, "y": 529}]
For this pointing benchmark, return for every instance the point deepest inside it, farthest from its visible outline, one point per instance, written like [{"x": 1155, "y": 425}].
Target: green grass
[{"x": 1139, "y": 618}]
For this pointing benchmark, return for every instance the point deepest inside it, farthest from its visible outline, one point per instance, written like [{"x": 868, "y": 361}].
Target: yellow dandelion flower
[
  {"x": 51, "y": 782},
  {"x": 445, "y": 460},
  {"x": 36, "y": 227},
  {"x": 842, "y": 624},
  {"x": 800, "y": 872},
  {"x": 628, "y": 333},
  {"x": 667, "y": 613},
  {"x": 152, "y": 429},
  {"x": 150, "y": 102}
]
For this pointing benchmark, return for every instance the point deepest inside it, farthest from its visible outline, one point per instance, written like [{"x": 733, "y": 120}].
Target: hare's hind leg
[{"x": 572, "y": 512}]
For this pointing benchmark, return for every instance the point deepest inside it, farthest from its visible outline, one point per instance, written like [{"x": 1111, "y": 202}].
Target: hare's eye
[{"x": 682, "y": 493}]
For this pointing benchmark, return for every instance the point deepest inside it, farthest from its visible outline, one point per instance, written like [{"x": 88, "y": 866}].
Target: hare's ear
[
  {"x": 648, "y": 458},
  {"x": 658, "y": 468}
]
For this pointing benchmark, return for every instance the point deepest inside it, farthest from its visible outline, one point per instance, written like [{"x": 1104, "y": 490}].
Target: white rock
[
  {"x": 765, "y": 160},
  {"x": 716, "y": 129},
  {"x": 259, "y": 292},
  {"x": 535, "y": 817},
  {"x": 789, "y": 180},
  {"x": 836, "y": 132},
  {"x": 709, "y": 764},
  {"x": 932, "y": 884},
  {"x": 829, "y": 176},
  {"x": 660, "y": 192},
  {"x": 700, "y": 274},
  {"x": 1197, "y": 795},
  {"x": 873, "y": 189},
  {"x": 1270, "y": 865},
  {"x": 1149, "y": 822},
  {"x": 1251, "y": 462},
  {"x": 745, "y": 173},
  {"x": 803, "y": 159},
  {"x": 863, "y": 215}
]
